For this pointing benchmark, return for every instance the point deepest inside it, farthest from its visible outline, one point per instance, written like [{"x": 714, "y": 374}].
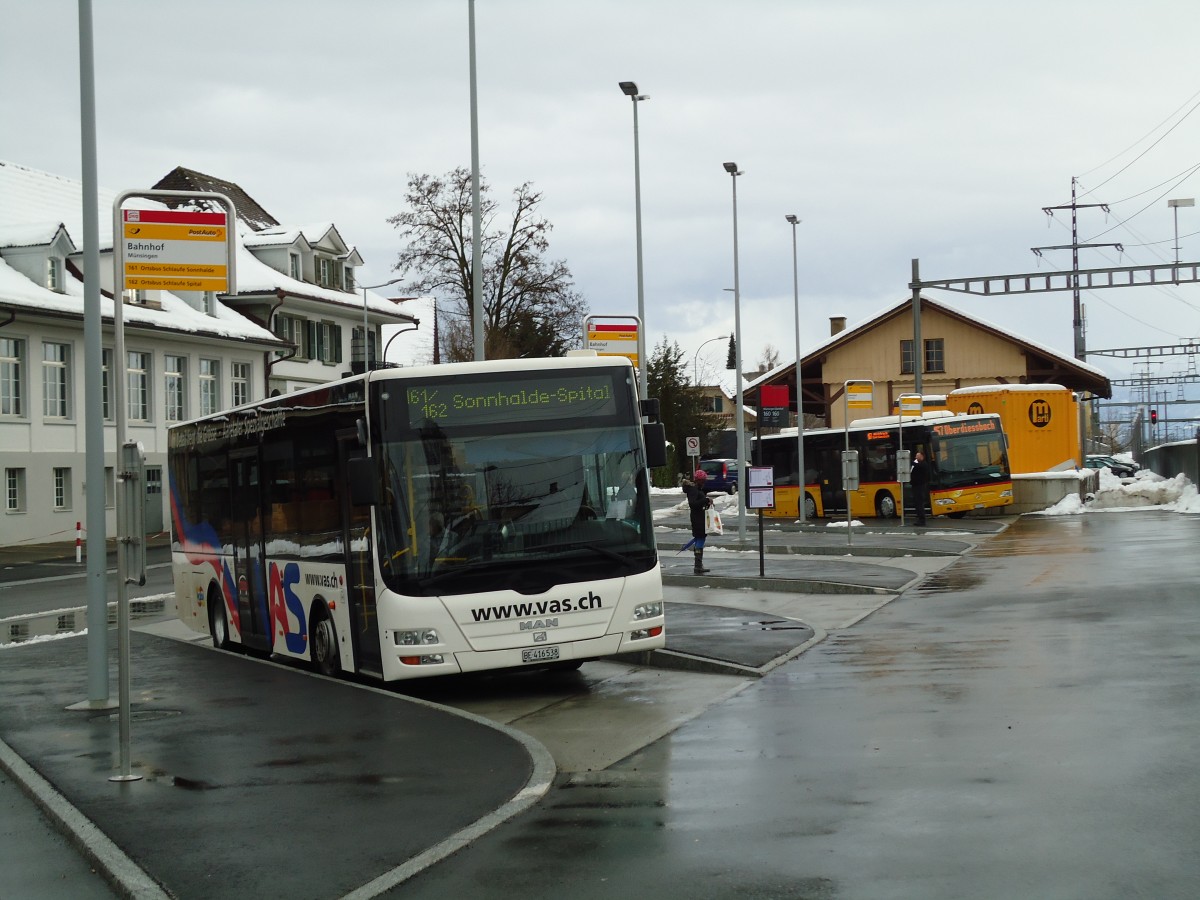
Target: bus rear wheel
[
  {"x": 323, "y": 639},
  {"x": 218, "y": 625},
  {"x": 885, "y": 505},
  {"x": 810, "y": 508}
]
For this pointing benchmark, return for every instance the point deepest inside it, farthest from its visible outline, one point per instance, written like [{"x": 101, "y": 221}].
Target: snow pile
[{"x": 1144, "y": 491}]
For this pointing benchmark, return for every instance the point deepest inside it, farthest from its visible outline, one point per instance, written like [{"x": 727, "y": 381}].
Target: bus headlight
[
  {"x": 648, "y": 610},
  {"x": 1007, "y": 493},
  {"x": 416, "y": 638}
]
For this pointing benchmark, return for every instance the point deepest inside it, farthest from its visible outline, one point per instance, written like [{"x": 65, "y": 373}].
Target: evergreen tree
[{"x": 681, "y": 407}]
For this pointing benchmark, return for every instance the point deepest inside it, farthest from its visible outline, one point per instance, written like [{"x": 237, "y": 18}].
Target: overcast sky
[{"x": 894, "y": 130}]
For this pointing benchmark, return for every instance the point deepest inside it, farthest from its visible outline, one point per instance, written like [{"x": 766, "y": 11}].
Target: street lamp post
[
  {"x": 696, "y": 358},
  {"x": 629, "y": 89},
  {"x": 793, "y": 221},
  {"x": 366, "y": 327},
  {"x": 732, "y": 169},
  {"x": 476, "y": 201}
]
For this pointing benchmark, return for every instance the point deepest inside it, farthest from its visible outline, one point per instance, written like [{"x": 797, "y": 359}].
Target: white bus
[{"x": 411, "y": 522}]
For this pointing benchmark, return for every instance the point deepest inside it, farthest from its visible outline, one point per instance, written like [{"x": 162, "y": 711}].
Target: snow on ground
[{"x": 1146, "y": 490}]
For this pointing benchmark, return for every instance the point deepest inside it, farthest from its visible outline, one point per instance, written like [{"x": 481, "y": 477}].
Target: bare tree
[{"x": 530, "y": 305}]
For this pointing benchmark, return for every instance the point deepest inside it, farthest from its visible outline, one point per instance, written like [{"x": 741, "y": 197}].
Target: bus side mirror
[
  {"x": 655, "y": 436},
  {"x": 650, "y": 408},
  {"x": 363, "y": 478}
]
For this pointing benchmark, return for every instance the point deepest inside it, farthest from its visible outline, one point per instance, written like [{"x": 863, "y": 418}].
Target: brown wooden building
[{"x": 957, "y": 351}]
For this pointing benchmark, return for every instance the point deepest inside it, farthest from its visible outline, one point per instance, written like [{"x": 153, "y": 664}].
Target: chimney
[{"x": 837, "y": 324}]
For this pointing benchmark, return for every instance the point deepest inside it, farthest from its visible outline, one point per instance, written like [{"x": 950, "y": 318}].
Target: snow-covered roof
[
  {"x": 176, "y": 315},
  {"x": 1004, "y": 388},
  {"x": 33, "y": 196},
  {"x": 273, "y": 237},
  {"x": 942, "y": 307},
  {"x": 33, "y": 234}
]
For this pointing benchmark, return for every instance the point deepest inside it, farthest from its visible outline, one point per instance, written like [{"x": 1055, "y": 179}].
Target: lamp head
[
  {"x": 732, "y": 168},
  {"x": 629, "y": 88},
  {"x": 792, "y": 220}
]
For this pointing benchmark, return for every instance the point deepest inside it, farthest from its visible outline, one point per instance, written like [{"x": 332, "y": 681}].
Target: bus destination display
[{"x": 528, "y": 399}]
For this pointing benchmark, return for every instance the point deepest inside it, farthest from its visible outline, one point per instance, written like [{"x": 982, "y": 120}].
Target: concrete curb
[
  {"x": 767, "y": 583},
  {"x": 129, "y": 879}
]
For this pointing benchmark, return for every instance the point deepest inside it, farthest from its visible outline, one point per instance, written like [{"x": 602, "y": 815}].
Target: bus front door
[
  {"x": 246, "y": 528},
  {"x": 360, "y": 569},
  {"x": 829, "y": 468}
]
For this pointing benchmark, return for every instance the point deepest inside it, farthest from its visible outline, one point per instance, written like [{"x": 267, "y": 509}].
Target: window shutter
[{"x": 310, "y": 339}]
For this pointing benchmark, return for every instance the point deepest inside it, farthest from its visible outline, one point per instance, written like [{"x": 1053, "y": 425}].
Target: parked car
[
  {"x": 1116, "y": 466},
  {"x": 722, "y": 474}
]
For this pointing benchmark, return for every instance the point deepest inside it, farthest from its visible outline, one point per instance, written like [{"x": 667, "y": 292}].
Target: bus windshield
[
  {"x": 963, "y": 457},
  {"x": 521, "y": 500}
]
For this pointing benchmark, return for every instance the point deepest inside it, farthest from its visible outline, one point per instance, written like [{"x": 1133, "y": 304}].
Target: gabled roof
[
  {"x": 275, "y": 237},
  {"x": 1084, "y": 376},
  {"x": 248, "y": 210},
  {"x": 32, "y": 195},
  {"x": 35, "y": 234}
]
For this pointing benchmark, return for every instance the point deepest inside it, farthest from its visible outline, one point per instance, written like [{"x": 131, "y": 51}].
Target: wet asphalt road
[{"x": 1022, "y": 725}]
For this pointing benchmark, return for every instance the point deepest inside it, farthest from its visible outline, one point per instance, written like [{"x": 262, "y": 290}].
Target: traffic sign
[
  {"x": 693, "y": 446},
  {"x": 614, "y": 340},
  {"x": 174, "y": 250},
  {"x": 858, "y": 394}
]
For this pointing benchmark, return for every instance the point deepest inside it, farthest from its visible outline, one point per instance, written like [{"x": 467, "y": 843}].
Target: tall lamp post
[
  {"x": 476, "y": 201},
  {"x": 793, "y": 221},
  {"x": 732, "y": 169},
  {"x": 366, "y": 327},
  {"x": 629, "y": 89},
  {"x": 696, "y": 358}
]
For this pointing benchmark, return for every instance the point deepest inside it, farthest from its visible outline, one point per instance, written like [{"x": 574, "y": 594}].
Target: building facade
[{"x": 296, "y": 318}]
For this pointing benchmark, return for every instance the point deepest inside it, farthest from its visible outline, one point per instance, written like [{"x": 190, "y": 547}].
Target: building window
[
  {"x": 294, "y": 265},
  {"x": 325, "y": 342},
  {"x": 106, "y": 357},
  {"x": 14, "y": 490},
  {"x": 348, "y": 278},
  {"x": 62, "y": 489},
  {"x": 110, "y": 487},
  {"x": 935, "y": 355},
  {"x": 12, "y": 380},
  {"x": 139, "y": 386},
  {"x": 291, "y": 329},
  {"x": 56, "y": 380},
  {"x": 210, "y": 386},
  {"x": 239, "y": 382},
  {"x": 326, "y": 272},
  {"x": 54, "y": 274},
  {"x": 175, "y": 387},
  {"x": 906, "y": 357}
]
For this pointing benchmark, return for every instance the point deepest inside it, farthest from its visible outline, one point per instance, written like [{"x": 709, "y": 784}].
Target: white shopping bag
[{"x": 712, "y": 522}]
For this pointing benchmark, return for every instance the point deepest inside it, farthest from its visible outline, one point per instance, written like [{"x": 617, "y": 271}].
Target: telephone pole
[{"x": 1075, "y": 247}]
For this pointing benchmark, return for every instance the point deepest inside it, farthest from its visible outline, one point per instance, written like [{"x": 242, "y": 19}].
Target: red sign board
[{"x": 773, "y": 395}]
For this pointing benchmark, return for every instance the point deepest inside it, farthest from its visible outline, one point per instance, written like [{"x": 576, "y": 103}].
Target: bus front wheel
[
  {"x": 885, "y": 505},
  {"x": 218, "y": 625},
  {"x": 324, "y": 644}
]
